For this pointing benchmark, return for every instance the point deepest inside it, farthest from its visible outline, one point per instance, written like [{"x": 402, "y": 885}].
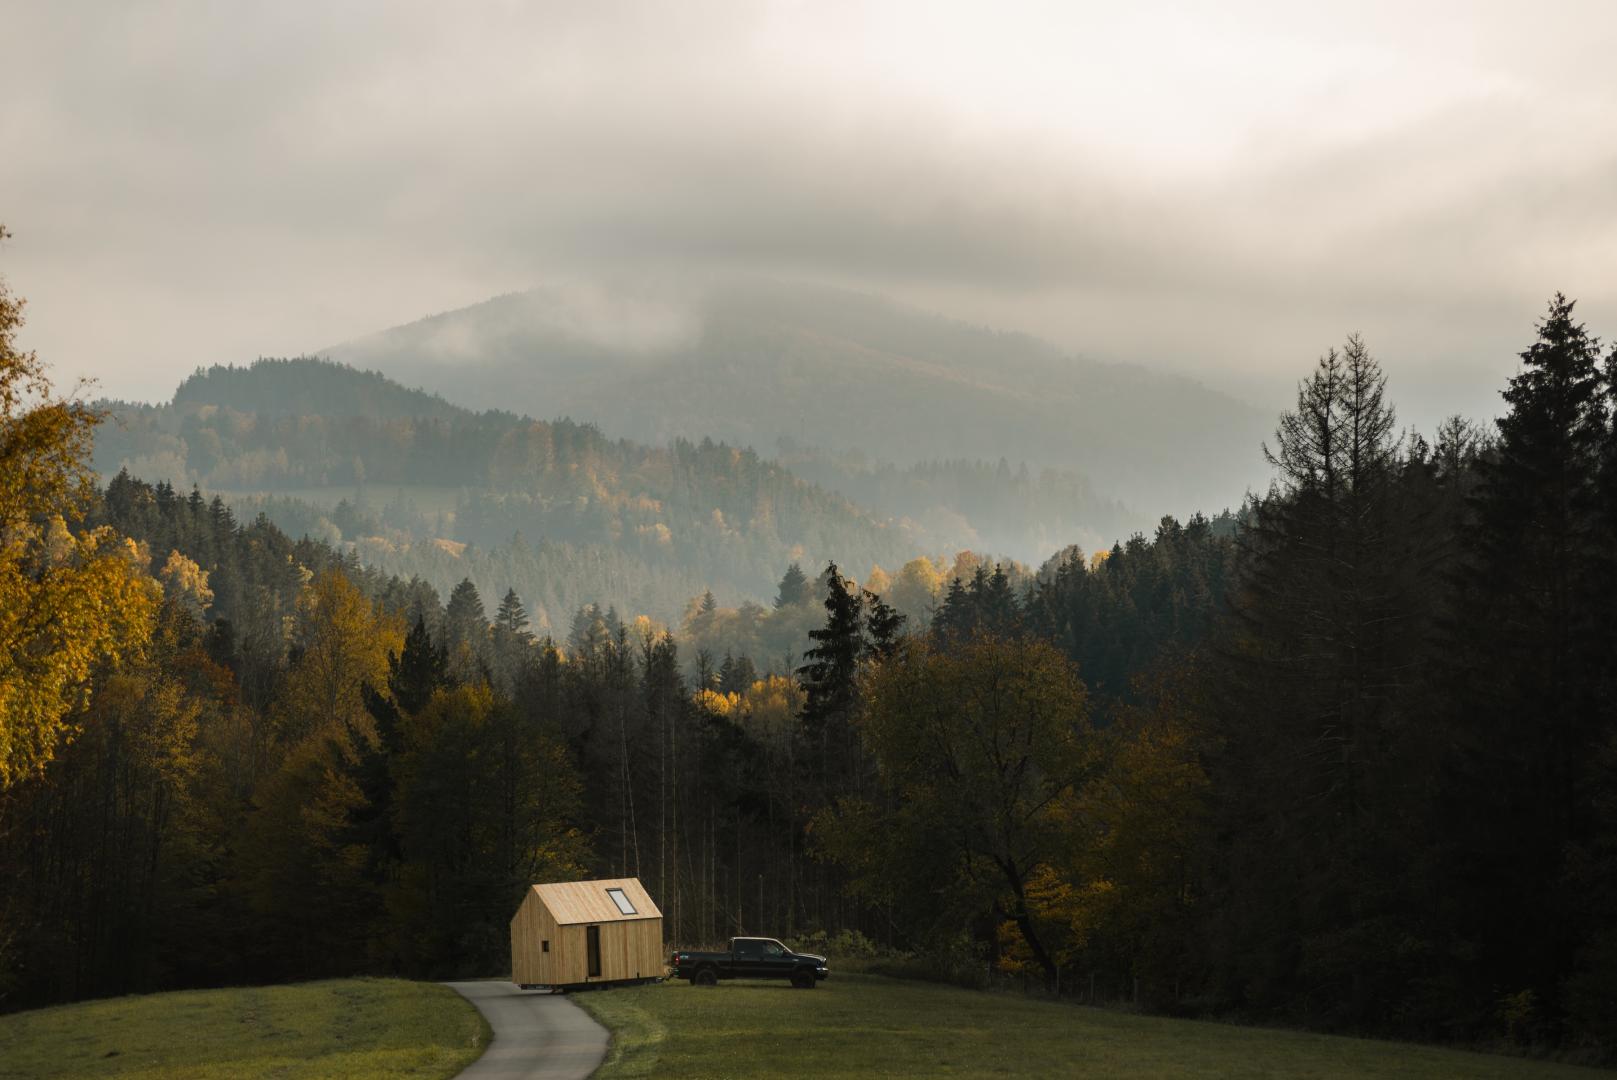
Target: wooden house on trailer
[{"x": 584, "y": 933}]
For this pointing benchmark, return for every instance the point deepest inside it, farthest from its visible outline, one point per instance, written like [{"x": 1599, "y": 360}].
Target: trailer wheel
[{"x": 705, "y": 977}]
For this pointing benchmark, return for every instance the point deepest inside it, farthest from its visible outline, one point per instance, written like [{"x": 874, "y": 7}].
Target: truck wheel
[
  {"x": 803, "y": 980},
  {"x": 706, "y": 977}
]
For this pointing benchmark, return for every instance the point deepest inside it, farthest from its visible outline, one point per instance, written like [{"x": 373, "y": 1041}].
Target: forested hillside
[
  {"x": 553, "y": 509},
  {"x": 751, "y": 363}
]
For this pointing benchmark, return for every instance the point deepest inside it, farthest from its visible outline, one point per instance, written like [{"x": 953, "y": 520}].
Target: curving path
[{"x": 537, "y": 1036}]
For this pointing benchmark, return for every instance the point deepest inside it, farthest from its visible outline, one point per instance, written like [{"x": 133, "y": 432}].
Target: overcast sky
[{"x": 1224, "y": 189}]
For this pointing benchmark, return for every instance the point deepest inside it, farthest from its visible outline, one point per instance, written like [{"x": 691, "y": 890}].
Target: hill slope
[
  {"x": 554, "y": 509},
  {"x": 842, "y": 371}
]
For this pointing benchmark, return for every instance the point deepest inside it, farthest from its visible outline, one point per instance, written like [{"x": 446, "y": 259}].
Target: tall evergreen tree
[
  {"x": 884, "y": 625},
  {"x": 511, "y": 617},
  {"x": 1321, "y": 759},
  {"x": 795, "y": 588},
  {"x": 1533, "y": 628},
  {"x": 466, "y": 630},
  {"x": 830, "y": 675}
]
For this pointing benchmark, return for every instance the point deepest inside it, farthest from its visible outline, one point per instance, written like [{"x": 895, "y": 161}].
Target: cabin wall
[
  {"x": 532, "y": 926},
  {"x": 630, "y": 949}
]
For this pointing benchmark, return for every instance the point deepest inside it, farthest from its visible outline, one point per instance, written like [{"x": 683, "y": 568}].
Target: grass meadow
[
  {"x": 344, "y": 1029},
  {"x": 870, "y": 1026}
]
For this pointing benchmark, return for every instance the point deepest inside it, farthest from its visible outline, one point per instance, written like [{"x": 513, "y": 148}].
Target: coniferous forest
[{"x": 1343, "y": 757}]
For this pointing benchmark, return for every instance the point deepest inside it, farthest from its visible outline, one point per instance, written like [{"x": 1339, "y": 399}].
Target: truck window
[
  {"x": 772, "y": 949},
  {"x": 749, "y": 950}
]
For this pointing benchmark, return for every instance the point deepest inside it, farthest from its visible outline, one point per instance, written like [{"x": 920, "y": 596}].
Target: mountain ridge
[{"x": 843, "y": 371}]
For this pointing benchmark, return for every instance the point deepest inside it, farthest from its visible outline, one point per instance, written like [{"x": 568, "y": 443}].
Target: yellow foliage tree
[
  {"x": 1132, "y": 839},
  {"x": 343, "y": 645},
  {"x": 916, "y": 590},
  {"x": 67, "y": 602},
  {"x": 185, "y": 584}
]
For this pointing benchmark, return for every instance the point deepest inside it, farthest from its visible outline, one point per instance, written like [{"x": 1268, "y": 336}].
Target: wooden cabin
[{"x": 574, "y": 933}]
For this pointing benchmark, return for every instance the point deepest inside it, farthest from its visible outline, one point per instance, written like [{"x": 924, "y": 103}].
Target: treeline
[
  {"x": 308, "y": 767},
  {"x": 1363, "y": 773}
]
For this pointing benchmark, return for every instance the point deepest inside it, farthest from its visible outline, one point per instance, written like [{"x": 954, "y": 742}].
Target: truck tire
[
  {"x": 705, "y": 977},
  {"x": 803, "y": 979}
]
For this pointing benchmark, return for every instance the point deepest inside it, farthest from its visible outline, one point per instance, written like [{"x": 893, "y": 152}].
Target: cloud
[{"x": 1224, "y": 192}]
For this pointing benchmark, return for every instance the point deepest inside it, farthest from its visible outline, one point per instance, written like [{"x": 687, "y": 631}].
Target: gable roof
[{"x": 587, "y": 901}]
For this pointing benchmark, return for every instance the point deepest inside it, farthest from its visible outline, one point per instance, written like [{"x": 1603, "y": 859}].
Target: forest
[
  {"x": 555, "y": 509},
  {"x": 1344, "y": 757}
]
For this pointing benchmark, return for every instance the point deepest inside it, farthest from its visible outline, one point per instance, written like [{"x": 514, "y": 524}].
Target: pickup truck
[{"x": 750, "y": 958}]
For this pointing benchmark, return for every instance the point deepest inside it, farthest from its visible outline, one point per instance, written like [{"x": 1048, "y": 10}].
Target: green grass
[
  {"x": 351, "y": 1029},
  {"x": 865, "y": 1025}
]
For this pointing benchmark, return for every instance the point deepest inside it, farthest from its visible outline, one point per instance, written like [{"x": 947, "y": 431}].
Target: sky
[{"x": 1221, "y": 189}]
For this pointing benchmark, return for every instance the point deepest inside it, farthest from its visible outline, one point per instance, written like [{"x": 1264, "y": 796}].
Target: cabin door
[{"x": 592, "y": 950}]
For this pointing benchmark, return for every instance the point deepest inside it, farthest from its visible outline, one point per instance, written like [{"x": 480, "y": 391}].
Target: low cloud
[{"x": 1222, "y": 196}]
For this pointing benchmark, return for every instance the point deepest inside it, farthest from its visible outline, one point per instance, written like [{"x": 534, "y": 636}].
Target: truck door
[
  {"x": 749, "y": 958},
  {"x": 775, "y": 959}
]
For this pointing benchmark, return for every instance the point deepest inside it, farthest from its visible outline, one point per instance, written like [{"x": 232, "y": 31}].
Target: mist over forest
[{"x": 850, "y": 380}]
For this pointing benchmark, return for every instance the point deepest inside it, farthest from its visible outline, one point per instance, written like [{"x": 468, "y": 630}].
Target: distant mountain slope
[
  {"x": 843, "y": 372},
  {"x": 304, "y": 386},
  {"x": 553, "y": 508}
]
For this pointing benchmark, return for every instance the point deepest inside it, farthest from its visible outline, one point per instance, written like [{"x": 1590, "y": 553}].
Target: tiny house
[{"x": 585, "y": 933}]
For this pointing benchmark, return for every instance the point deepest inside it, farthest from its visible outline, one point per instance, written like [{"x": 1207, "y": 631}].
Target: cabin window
[
  {"x": 622, "y": 901},
  {"x": 592, "y": 948},
  {"x": 544, "y": 946}
]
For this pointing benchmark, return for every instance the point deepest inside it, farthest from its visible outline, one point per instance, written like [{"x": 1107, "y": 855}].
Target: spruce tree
[
  {"x": 795, "y": 588},
  {"x": 885, "y": 626},
  {"x": 1534, "y": 642},
  {"x": 1317, "y": 707},
  {"x": 511, "y": 617},
  {"x": 465, "y": 618},
  {"x": 830, "y": 675}
]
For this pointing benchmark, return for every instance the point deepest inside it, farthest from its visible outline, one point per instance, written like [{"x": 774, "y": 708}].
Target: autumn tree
[
  {"x": 67, "y": 600},
  {"x": 982, "y": 748},
  {"x": 343, "y": 645},
  {"x": 916, "y": 590}
]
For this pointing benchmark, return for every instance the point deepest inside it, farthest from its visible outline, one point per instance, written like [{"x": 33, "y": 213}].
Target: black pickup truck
[{"x": 750, "y": 958}]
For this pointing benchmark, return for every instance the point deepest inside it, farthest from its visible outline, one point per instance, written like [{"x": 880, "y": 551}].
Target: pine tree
[
  {"x": 795, "y": 588},
  {"x": 466, "y": 623},
  {"x": 884, "y": 624},
  {"x": 1000, "y": 613},
  {"x": 1318, "y": 703},
  {"x": 956, "y": 617},
  {"x": 1534, "y": 644},
  {"x": 511, "y": 617},
  {"x": 833, "y": 662},
  {"x": 736, "y": 674}
]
